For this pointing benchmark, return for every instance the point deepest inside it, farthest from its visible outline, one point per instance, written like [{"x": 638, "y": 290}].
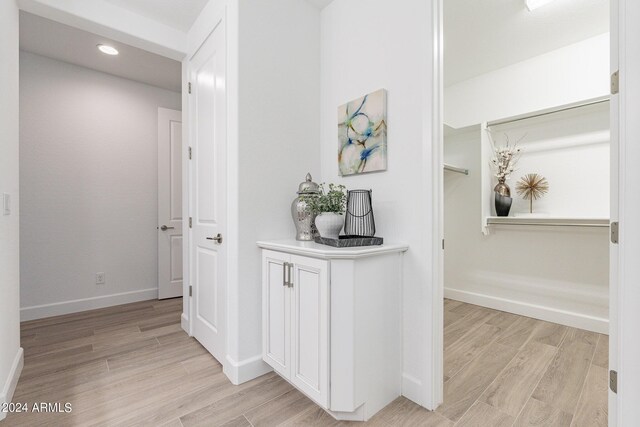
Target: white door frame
[
  {"x": 614, "y": 254},
  {"x": 187, "y": 199},
  {"x": 625, "y": 275},
  {"x": 625, "y": 350},
  {"x": 185, "y": 319},
  {"x": 151, "y": 37},
  {"x": 435, "y": 371}
]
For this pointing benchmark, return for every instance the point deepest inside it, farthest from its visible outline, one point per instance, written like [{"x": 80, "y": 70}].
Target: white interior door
[
  {"x": 207, "y": 109},
  {"x": 169, "y": 203}
]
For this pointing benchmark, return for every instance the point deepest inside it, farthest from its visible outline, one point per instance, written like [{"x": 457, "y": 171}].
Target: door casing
[
  {"x": 624, "y": 310},
  {"x": 624, "y": 303}
]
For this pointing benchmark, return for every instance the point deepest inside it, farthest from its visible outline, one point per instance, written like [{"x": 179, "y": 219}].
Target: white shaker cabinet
[
  {"x": 296, "y": 321},
  {"x": 331, "y": 323},
  {"x": 276, "y": 312}
]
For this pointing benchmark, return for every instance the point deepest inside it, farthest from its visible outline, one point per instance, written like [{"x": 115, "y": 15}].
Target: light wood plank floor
[{"x": 133, "y": 365}]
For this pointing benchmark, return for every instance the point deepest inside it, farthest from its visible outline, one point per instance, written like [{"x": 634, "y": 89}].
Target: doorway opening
[
  {"x": 100, "y": 171},
  {"x": 527, "y": 197}
]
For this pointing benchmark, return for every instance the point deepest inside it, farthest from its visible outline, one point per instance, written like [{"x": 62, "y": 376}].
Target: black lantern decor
[{"x": 359, "y": 218}]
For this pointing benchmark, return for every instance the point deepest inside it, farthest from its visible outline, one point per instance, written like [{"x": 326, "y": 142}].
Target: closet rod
[
  {"x": 552, "y": 111},
  {"x": 549, "y": 224},
  {"x": 456, "y": 169}
]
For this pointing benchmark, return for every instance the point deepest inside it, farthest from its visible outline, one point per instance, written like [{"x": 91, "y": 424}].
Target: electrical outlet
[{"x": 101, "y": 278}]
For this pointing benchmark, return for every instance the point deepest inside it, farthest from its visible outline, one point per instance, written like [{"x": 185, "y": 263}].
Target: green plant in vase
[{"x": 329, "y": 207}]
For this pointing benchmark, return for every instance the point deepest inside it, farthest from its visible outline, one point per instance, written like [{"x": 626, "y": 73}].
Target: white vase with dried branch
[{"x": 504, "y": 162}]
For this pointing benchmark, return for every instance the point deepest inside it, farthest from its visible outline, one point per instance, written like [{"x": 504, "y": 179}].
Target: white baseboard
[
  {"x": 12, "y": 381},
  {"x": 75, "y": 306},
  {"x": 412, "y": 389},
  {"x": 246, "y": 370},
  {"x": 184, "y": 323},
  {"x": 549, "y": 314}
]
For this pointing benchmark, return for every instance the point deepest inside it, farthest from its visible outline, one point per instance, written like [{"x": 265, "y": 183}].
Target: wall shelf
[
  {"x": 456, "y": 169},
  {"x": 551, "y": 135},
  {"x": 546, "y": 221}
]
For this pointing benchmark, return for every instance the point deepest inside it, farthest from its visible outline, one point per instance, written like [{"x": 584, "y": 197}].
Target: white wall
[
  {"x": 88, "y": 158},
  {"x": 368, "y": 45},
  {"x": 9, "y": 225},
  {"x": 574, "y": 73},
  {"x": 279, "y": 137},
  {"x": 273, "y": 88},
  {"x": 273, "y": 75},
  {"x": 558, "y": 274}
]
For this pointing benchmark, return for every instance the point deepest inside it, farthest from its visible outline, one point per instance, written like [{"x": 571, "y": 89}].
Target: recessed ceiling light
[
  {"x": 534, "y": 4},
  {"x": 109, "y": 50}
]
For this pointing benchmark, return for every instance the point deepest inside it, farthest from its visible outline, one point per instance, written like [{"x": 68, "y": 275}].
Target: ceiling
[
  {"x": 58, "y": 41},
  {"x": 484, "y": 35},
  {"x": 320, "y": 4},
  {"x": 179, "y": 14}
]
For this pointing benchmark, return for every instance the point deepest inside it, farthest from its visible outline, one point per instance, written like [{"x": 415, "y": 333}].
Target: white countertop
[{"x": 329, "y": 252}]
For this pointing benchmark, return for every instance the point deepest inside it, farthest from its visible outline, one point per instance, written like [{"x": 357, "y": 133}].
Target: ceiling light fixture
[
  {"x": 534, "y": 4},
  {"x": 106, "y": 49}
]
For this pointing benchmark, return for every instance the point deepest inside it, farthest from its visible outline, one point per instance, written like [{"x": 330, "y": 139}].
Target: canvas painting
[{"x": 362, "y": 134}]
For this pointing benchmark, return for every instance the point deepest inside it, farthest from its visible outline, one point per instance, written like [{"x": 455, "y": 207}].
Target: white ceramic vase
[{"x": 329, "y": 224}]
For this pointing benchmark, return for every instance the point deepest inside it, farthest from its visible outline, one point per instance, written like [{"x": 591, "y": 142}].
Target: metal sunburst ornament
[{"x": 532, "y": 186}]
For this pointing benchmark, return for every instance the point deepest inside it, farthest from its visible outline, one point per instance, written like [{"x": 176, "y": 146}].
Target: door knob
[
  {"x": 165, "y": 228},
  {"x": 217, "y": 238}
]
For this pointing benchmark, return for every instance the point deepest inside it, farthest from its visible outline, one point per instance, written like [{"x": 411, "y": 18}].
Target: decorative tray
[{"x": 349, "y": 241}]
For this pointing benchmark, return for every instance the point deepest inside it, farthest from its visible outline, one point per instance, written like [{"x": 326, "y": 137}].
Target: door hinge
[
  {"x": 613, "y": 381},
  {"x": 190, "y": 222},
  {"x": 189, "y": 87},
  {"x": 615, "y": 82},
  {"x": 190, "y": 291},
  {"x": 190, "y": 153},
  {"x": 615, "y": 232}
]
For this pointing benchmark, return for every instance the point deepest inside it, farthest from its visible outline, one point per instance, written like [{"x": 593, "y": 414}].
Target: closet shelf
[
  {"x": 546, "y": 221},
  {"x": 456, "y": 169}
]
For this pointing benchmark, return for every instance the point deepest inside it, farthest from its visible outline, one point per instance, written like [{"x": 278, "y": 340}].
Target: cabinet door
[
  {"x": 310, "y": 328},
  {"x": 276, "y": 313}
]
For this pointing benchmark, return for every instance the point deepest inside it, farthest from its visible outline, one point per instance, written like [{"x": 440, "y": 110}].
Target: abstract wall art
[{"x": 362, "y": 134}]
